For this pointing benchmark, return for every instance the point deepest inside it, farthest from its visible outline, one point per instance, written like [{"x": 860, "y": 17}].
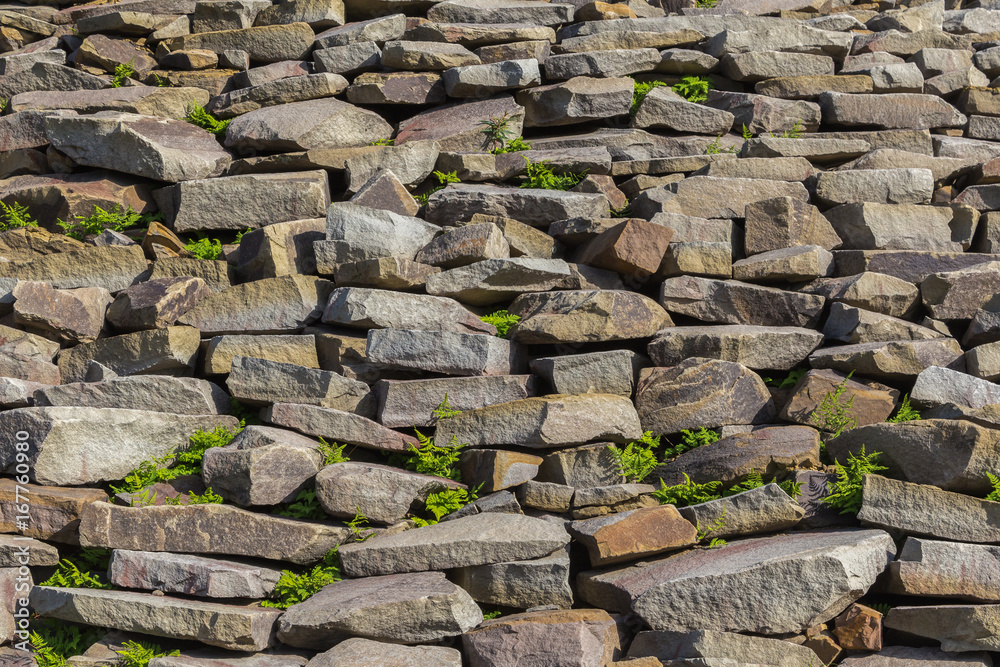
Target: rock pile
[{"x": 499, "y": 332}]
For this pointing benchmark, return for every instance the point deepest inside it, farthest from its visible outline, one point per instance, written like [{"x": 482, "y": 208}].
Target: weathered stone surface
[
  {"x": 155, "y": 393},
  {"x": 333, "y": 424},
  {"x": 612, "y": 372},
  {"x": 893, "y": 110},
  {"x": 785, "y": 222},
  {"x": 268, "y": 44},
  {"x": 384, "y": 309},
  {"x": 497, "y": 280},
  {"x": 766, "y": 451},
  {"x": 632, "y": 535},
  {"x": 191, "y": 575},
  {"x": 360, "y": 652},
  {"x": 779, "y": 348},
  {"x": 496, "y": 11},
  {"x": 932, "y": 568},
  {"x": 721, "y": 648},
  {"x": 578, "y": 100},
  {"x": 957, "y": 627},
  {"x": 532, "y": 206},
  {"x": 443, "y": 352},
  {"x": 54, "y": 511},
  {"x": 269, "y": 306},
  {"x": 665, "y": 109},
  {"x": 408, "y": 403},
  {"x": 765, "y": 509},
  {"x": 303, "y": 126},
  {"x": 227, "y": 626},
  {"x": 632, "y": 247},
  {"x": 551, "y": 421},
  {"x": 474, "y": 540},
  {"x": 207, "y": 529},
  {"x": 872, "y": 403},
  {"x": 162, "y": 103},
  {"x": 908, "y": 656},
  {"x": 358, "y": 233},
  {"x": 701, "y": 392},
  {"x": 496, "y": 469},
  {"x": 584, "y": 637},
  {"x": 711, "y": 197},
  {"x": 936, "y": 386},
  {"x": 113, "y": 268},
  {"x": 881, "y": 186},
  {"x": 870, "y": 226},
  {"x": 785, "y": 265},
  {"x": 586, "y": 316},
  {"x": 155, "y": 304},
  {"x": 68, "y": 316},
  {"x": 487, "y": 79},
  {"x": 79, "y": 445},
  {"x": 874, "y": 292},
  {"x": 520, "y": 584},
  {"x": 892, "y": 360},
  {"x": 282, "y": 91},
  {"x": 219, "y": 352},
  {"x": 734, "y": 302},
  {"x": 959, "y": 295},
  {"x": 833, "y": 569},
  {"x": 260, "y": 381},
  {"x": 381, "y": 493}
]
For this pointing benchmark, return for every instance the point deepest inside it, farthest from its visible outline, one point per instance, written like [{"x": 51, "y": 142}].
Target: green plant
[
  {"x": 845, "y": 493},
  {"x": 715, "y": 147},
  {"x": 305, "y": 506},
  {"x": 15, "y": 216},
  {"x": 4, "y": 103},
  {"x": 54, "y": 642},
  {"x": 623, "y": 211},
  {"x": 905, "y": 413},
  {"x": 444, "y": 409},
  {"x": 358, "y": 525},
  {"x": 490, "y": 615},
  {"x": 794, "y": 133},
  {"x": 196, "y": 115},
  {"x": 540, "y": 176},
  {"x": 446, "y": 501},
  {"x": 791, "y": 487},
  {"x": 717, "y": 542},
  {"x": 331, "y": 453},
  {"x": 881, "y": 607},
  {"x": 496, "y": 131},
  {"x": 192, "y": 498},
  {"x": 239, "y": 235},
  {"x": 115, "y": 219},
  {"x": 503, "y": 320},
  {"x": 515, "y": 145},
  {"x": 788, "y": 381},
  {"x": 443, "y": 180},
  {"x": 69, "y": 575},
  {"x": 637, "y": 459},
  {"x": 430, "y": 459},
  {"x": 747, "y": 134},
  {"x": 138, "y": 654},
  {"x": 383, "y": 142},
  {"x": 995, "y": 483},
  {"x": 715, "y": 525},
  {"x": 205, "y": 248},
  {"x": 123, "y": 71},
  {"x": 687, "y": 492},
  {"x": 693, "y": 88},
  {"x": 706, "y": 4},
  {"x": 753, "y": 481},
  {"x": 295, "y": 587},
  {"x": 153, "y": 470},
  {"x": 835, "y": 414},
  {"x": 160, "y": 82},
  {"x": 639, "y": 91},
  {"x": 691, "y": 440}
]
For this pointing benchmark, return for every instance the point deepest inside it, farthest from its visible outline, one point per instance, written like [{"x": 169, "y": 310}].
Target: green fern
[
  {"x": 192, "y": 498},
  {"x": 331, "y": 453},
  {"x": 788, "y": 381},
  {"x": 905, "y": 413},
  {"x": 514, "y": 146},
  {"x": 444, "y": 410},
  {"x": 503, "y": 320},
  {"x": 430, "y": 459},
  {"x": 138, "y": 654},
  {"x": 15, "y": 216},
  {"x": 305, "y": 506},
  {"x": 539, "y": 175},
  {"x": 443, "y": 178},
  {"x": 123, "y": 72},
  {"x": 295, "y": 587},
  {"x": 687, "y": 492},
  {"x": 693, "y": 88},
  {"x": 383, "y": 142},
  {"x": 358, "y": 525},
  {"x": 115, "y": 219},
  {"x": 846, "y": 492},
  {"x": 995, "y": 483},
  {"x": 446, "y": 501},
  {"x": 691, "y": 440},
  {"x": 791, "y": 487},
  {"x": 835, "y": 414},
  {"x": 205, "y": 248},
  {"x": 196, "y": 115},
  {"x": 639, "y": 91},
  {"x": 715, "y": 147},
  {"x": 637, "y": 460},
  {"x": 794, "y": 133},
  {"x": 69, "y": 575},
  {"x": 54, "y": 642}
]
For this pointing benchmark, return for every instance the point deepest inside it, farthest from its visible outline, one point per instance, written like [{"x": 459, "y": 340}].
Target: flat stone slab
[
  {"x": 191, "y": 575},
  {"x": 207, "y": 529},
  {"x": 910, "y": 656},
  {"x": 480, "y": 539},
  {"x": 409, "y": 403},
  {"x": 382, "y": 493},
  {"x": 933, "y": 568},
  {"x": 358, "y": 652},
  {"x": 959, "y": 628},
  {"x": 227, "y": 626},
  {"x": 765, "y": 509},
  {"x": 724, "y": 647},
  {"x": 156, "y": 393},
  {"x": 579, "y": 637},
  {"x": 406, "y": 608},
  {"x": 520, "y": 584},
  {"x": 54, "y": 512},
  {"x": 635, "y": 534},
  {"x": 16, "y": 550},
  {"x": 344, "y": 427},
  {"x": 682, "y": 592},
  {"x": 778, "y": 348}
]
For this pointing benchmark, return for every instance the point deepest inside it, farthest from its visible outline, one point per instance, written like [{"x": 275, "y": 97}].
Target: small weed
[
  {"x": 446, "y": 501},
  {"x": 715, "y": 147},
  {"x": 123, "y": 72},
  {"x": 706, "y": 4},
  {"x": 305, "y": 506},
  {"x": 196, "y": 115},
  {"x": 207, "y": 498},
  {"x": 503, "y": 320},
  {"x": 794, "y": 133},
  {"x": 788, "y": 381},
  {"x": 881, "y": 607},
  {"x": 717, "y": 542},
  {"x": 747, "y": 134},
  {"x": 845, "y": 492},
  {"x": 205, "y": 248},
  {"x": 159, "y": 82},
  {"x": 443, "y": 180},
  {"x": 444, "y": 410},
  {"x": 496, "y": 132},
  {"x": 115, "y": 219},
  {"x": 995, "y": 483},
  {"x": 138, "y": 654},
  {"x": 94, "y": 564},
  {"x": 383, "y": 142},
  {"x": 687, "y": 492},
  {"x": 791, "y": 487},
  {"x": 490, "y": 615},
  {"x": 331, "y": 453},
  {"x": 358, "y": 525},
  {"x": 716, "y": 525},
  {"x": 905, "y": 413},
  {"x": 640, "y": 90},
  {"x": 753, "y": 481},
  {"x": 4, "y": 103},
  {"x": 624, "y": 211},
  {"x": 295, "y": 587},
  {"x": 54, "y": 642},
  {"x": 516, "y": 145},
  {"x": 429, "y": 459},
  {"x": 540, "y": 176},
  {"x": 835, "y": 414},
  {"x": 15, "y": 216},
  {"x": 691, "y": 440},
  {"x": 637, "y": 459},
  {"x": 693, "y": 88}
]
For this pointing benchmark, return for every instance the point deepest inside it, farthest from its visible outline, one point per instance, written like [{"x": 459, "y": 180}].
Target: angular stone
[
  {"x": 384, "y": 309},
  {"x": 531, "y": 12},
  {"x": 69, "y": 316},
  {"x": 663, "y": 108},
  {"x": 871, "y": 403},
  {"x": 497, "y": 469},
  {"x": 15, "y": 393},
  {"x": 630, "y": 247},
  {"x": 937, "y": 386},
  {"x": 793, "y": 37},
  {"x": 348, "y": 59},
  {"x": 881, "y": 186},
  {"x": 282, "y": 91},
  {"x": 207, "y": 529},
  {"x": 520, "y": 584},
  {"x": 474, "y": 540},
  {"x": 632, "y": 535},
  {"x": 380, "y": 30},
  {"x": 760, "y": 65},
  {"x": 423, "y": 56},
  {"x": 158, "y": 148},
  {"x": 217, "y": 274},
  {"x": 584, "y": 637},
  {"x": 12, "y": 552},
  {"x": 155, "y": 393},
  {"x": 539, "y": 423},
  {"x": 785, "y": 265},
  {"x": 155, "y": 304},
  {"x": 397, "y": 88},
  {"x": 267, "y": 44},
  {"x": 733, "y": 302},
  {"x": 358, "y": 232},
  {"x": 219, "y": 352},
  {"x": 871, "y": 291},
  {"x": 443, "y": 352},
  {"x": 498, "y": 280},
  {"x": 345, "y": 427},
  {"x": 913, "y": 266},
  {"x": 893, "y": 110},
  {"x": 264, "y": 466},
  {"x": 611, "y": 372},
  {"x": 718, "y": 648},
  {"x": 586, "y": 316},
  {"x": 580, "y": 467},
  {"x": 358, "y": 652},
  {"x": 382, "y": 493},
  {"x": 983, "y": 361},
  {"x": 879, "y": 226},
  {"x": 80, "y": 445},
  {"x": 765, "y": 451},
  {"x": 382, "y": 272},
  {"x": 908, "y": 656},
  {"x": 758, "y": 348},
  {"x": 191, "y": 575},
  {"x": 458, "y": 127},
  {"x": 765, "y": 509},
  {"x": 944, "y": 169},
  {"x": 302, "y": 126},
  {"x": 801, "y": 87},
  {"x": 785, "y": 222},
  {"x": 272, "y": 305},
  {"x": 892, "y": 360},
  {"x": 490, "y": 78},
  {"x": 710, "y": 197},
  {"x": 536, "y": 207},
  {"x": 957, "y": 627},
  {"x": 578, "y": 100},
  {"x": 54, "y": 512},
  {"x": 48, "y": 77},
  {"x": 410, "y": 403},
  {"x": 763, "y": 114},
  {"x": 959, "y": 295},
  {"x": 411, "y": 163},
  {"x": 546, "y": 496},
  {"x": 945, "y": 569},
  {"x": 227, "y": 626},
  {"x": 259, "y": 382}
]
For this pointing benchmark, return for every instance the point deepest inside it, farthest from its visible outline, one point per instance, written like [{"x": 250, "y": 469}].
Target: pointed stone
[
  {"x": 69, "y": 316},
  {"x": 155, "y": 304},
  {"x": 493, "y": 281},
  {"x": 632, "y": 535}
]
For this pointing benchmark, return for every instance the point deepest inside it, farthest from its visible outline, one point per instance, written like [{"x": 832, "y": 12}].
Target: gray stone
[
  {"x": 760, "y": 65},
  {"x": 268, "y": 470},
  {"x": 588, "y": 315},
  {"x": 358, "y": 232},
  {"x": 758, "y": 348},
  {"x": 532, "y": 206},
  {"x": 267, "y": 44},
  {"x": 710, "y": 197},
  {"x": 379, "y": 30},
  {"x": 766, "y": 509},
  {"x": 302, "y": 126},
  {"x": 546, "y": 496},
  {"x": 733, "y": 302},
  {"x": 155, "y": 393},
  {"x": 785, "y": 265},
  {"x": 785, "y": 222},
  {"x": 936, "y": 386},
  {"x": 344, "y": 427},
  {"x": 360, "y": 652},
  {"x": 260, "y": 381},
  {"x": 665, "y": 109},
  {"x": 411, "y": 163},
  {"x": 382, "y": 493},
  {"x": 611, "y": 372},
  {"x": 426, "y": 56},
  {"x": 191, "y": 575},
  {"x": 493, "y": 281},
  {"x": 819, "y": 149},
  {"x": 13, "y": 549},
  {"x": 317, "y": 13},
  {"x": 531, "y": 12},
  {"x": 218, "y": 353},
  {"x": 945, "y": 569},
  {"x": 874, "y": 292},
  {"x": 481, "y": 539},
  {"x": 893, "y": 110},
  {"x": 385, "y": 309},
  {"x": 410, "y": 403},
  {"x": 793, "y": 37},
  {"x": 466, "y": 245},
  {"x": 721, "y": 648},
  {"x": 348, "y": 59},
  {"x": 487, "y": 79},
  {"x": 551, "y": 421},
  {"x": 891, "y": 360},
  {"x": 54, "y": 512},
  {"x": 957, "y": 627},
  {"x": 520, "y": 584},
  {"x": 580, "y": 467},
  {"x": 443, "y": 352},
  {"x": 961, "y": 294},
  {"x": 156, "y": 303},
  {"x": 583, "y": 637},
  {"x": 763, "y": 114},
  {"x": 459, "y": 127},
  {"x": 908, "y": 656},
  {"x": 865, "y": 226},
  {"x": 78, "y": 445},
  {"x": 282, "y": 91},
  {"x": 579, "y": 100},
  {"x": 881, "y": 186}
]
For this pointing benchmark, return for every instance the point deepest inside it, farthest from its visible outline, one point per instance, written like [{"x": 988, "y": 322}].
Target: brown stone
[
  {"x": 859, "y": 629},
  {"x": 70, "y": 316},
  {"x": 871, "y": 403},
  {"x": 155, "y": 304},
  {"x": 396, "y": 88},
  {"x": 497, "y": 469},
  {"x": 631, "y": 535},
  {"x": 54, "y": 512},
  {"x": 629, "y": 247},
  {"x": 578, "y": 637}
]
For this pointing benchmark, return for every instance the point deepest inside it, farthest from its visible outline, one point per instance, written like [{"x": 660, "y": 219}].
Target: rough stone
[{"x": 191, "y": 575}]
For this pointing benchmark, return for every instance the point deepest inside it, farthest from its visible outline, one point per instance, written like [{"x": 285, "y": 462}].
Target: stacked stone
[{"x": 829, "y": 207}]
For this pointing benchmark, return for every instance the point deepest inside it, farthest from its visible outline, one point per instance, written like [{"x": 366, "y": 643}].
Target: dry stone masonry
[{"x": 499, "y": 333}]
